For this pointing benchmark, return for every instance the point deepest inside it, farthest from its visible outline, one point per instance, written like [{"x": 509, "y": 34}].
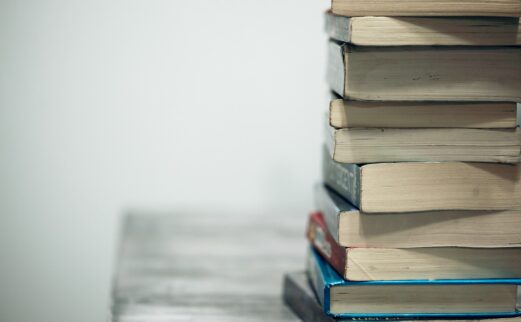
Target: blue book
[{"x": 411, "y": 299}]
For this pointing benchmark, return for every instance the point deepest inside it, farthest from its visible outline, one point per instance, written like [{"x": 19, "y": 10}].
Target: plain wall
[{"x": 114, "y": 105}]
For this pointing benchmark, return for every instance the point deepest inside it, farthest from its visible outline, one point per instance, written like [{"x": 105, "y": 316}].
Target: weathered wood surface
[{"x": 206, "y": 267}]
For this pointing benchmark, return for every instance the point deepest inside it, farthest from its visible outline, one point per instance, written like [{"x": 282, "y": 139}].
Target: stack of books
[{"x": 419, "y": 212}]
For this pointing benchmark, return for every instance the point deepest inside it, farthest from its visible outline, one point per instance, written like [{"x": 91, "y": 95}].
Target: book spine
[
  {"x": 301, "y": 299},
  {"x": 344, "y": 178},
  {"x": 325, "y": 244},
  {"x": 329, "y": 210},
  {"x": 338, "y": 27},
  {"x": 316, "y": 281},
  {"x": 335, "y": 68},
  {"x": 518, "y": 114}
]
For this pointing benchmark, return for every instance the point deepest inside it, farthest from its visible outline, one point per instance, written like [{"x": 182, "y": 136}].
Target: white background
[{"x": 107, "y": 106}]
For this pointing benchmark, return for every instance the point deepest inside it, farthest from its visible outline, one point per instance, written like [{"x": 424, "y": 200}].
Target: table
[{"x": 206, "y": 266}]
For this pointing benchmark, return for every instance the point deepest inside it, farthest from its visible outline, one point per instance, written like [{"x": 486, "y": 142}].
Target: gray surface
[{"x": 206, "y": 267}]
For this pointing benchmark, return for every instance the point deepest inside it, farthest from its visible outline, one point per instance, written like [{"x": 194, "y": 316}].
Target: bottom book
[{"x": 300, "y": 298}]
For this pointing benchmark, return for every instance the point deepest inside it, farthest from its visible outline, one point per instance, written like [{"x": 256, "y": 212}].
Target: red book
[
  {"x": 325, "y": 244},
  {"x": 373, "y": 264}
]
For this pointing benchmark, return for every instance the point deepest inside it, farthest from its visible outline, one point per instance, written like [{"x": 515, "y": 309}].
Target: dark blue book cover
[
  {"x": 323, "y": 278},
  {"x": 344, "y": 178}
]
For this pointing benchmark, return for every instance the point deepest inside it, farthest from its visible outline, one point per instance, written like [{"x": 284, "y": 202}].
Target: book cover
[
  {"x": 387, "y": 145},
  {"x": 300, "y": 298},
  {"x": 409, "y": 31},
  {"x": 323, "y": 277},
  {"x": 321, "y": 239},
  {"x": 377, "y": 263},
  {"x": 410, "y": 115},
  {"x": 344, "y": 178},
  {"x": 424, "y": 186},
  {"x": 350, "y": 227},
  {"x": 425, "y": 73},
  {"x": 329, "y": 206}
]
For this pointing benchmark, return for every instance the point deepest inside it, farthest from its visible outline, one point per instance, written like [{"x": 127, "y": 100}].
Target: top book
[
  {"x": 418, "y": 31},
  {"x": 357, "y": 8}
]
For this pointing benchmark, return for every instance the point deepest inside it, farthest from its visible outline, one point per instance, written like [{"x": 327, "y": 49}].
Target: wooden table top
[{"x": 206, "y": 266}]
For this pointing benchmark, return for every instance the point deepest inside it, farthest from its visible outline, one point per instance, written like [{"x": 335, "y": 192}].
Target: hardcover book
[
  {"x": 474, "y": 115},
  {"x": 475, "y": 298},
  {"x": 418, "y": 31},
  {"x": 370, "y": 264},
  {"x": 423, "y": 73},
  {"x": 508, "y": 8},
  {"x": 349, "y": 227},
  {"x": 300, "y": 298},
  {"x": 374, "y": 145},
  {"x": 424, "y": 186}
]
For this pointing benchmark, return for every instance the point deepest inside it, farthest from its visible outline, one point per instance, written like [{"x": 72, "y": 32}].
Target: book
[
  {"x": 476, "y": 298},
  {"x": 418, "y": 31},
  {"x": 370, "y": 264},
  {"x": 425, "y": 73},
  {"x": 374, "y": 145},
  {"x": 349, "y": 227},
  {"x": 507, "y": 8},
  {"x": 367, "y": 114},
  {"x": 424, "y": 186},
  {"x": 300, "y": 298}
]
